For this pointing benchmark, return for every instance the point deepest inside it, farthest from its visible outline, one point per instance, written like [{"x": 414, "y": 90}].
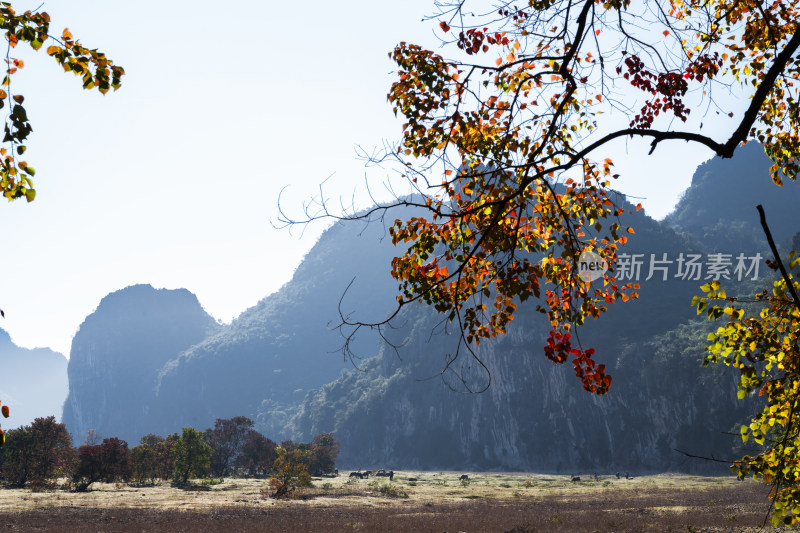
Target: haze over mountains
[
  {"x": 33, "y": 384},
  {"x": 152, "y": 361}
]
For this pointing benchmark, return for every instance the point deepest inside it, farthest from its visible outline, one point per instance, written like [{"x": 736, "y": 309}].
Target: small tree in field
[
  {"x": 190, "y": 455},
  {"x": 324, "y": 452},
  {"x": 36, "y": 454},
  {"x": 289, "y": 473},
  {"x": 108, "y": 461},
  {"x": 226, "y": 440},
  {"x": 145, "y": 464},
  {"x": 151, "y": 459},
  {"x": 17, "y": 456},
  {"x": 258, "y": 454}
]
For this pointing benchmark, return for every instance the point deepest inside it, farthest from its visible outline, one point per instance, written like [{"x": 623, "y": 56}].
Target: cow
[
  {"x": 617, "y": 475},
  {"x": 359, "y": 475},
  {"x": 576, "y": 478},
  {"x": 384, "y": 473},
  {"x": 464, "y": 477}
]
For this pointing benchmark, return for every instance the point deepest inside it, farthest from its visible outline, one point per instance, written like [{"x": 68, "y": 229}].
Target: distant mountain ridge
[
  {"x": 719, "y": 208},
  {"x": 34, "y": 382}
]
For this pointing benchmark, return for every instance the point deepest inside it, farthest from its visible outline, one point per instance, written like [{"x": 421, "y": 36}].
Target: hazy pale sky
[{"x": 173, "y": 180}]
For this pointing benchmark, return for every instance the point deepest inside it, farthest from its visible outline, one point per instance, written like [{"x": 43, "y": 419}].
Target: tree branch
[
  {"x": 766, "y": 85},
  {"x": 784, "y": 273}
]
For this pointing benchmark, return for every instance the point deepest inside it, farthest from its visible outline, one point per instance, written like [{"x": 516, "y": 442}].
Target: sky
[{"x": 174, "y": 179}]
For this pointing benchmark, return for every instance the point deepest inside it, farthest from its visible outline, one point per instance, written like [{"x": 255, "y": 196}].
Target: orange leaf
[
  {"x": 444, "y": 26},
  {"x": 666, "y": 32}
]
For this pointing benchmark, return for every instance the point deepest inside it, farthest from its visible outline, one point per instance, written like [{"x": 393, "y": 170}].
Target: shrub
[
  {"x": 36, "y": 454},
  {"x": 227, "y": 440},
  {"x": 388, "y": 490},
  {"x": 258, "y": 454},
  {"x": 191, "y": 456},
  {"x": 290, "y": 473},
  {"x": 108, "y": 461}
]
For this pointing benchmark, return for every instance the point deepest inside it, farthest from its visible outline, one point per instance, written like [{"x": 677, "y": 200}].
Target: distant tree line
[{"x": 39, "y": 454}]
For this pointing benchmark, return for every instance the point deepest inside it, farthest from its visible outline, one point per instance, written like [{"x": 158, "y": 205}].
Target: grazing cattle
[
  {"x": 576, "y": 478},
  {"x": 617, "y": 475},
  {"x": 368, "y": 473},
  {"x": 464, "y": 477},
  {"x": 359, "y": 475},
  {"x": 384, "y": 473},
  {"x": 412, "y": 479}
]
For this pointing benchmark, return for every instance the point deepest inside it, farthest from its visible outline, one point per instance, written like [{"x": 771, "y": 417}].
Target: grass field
[{"x": 436, "y": 502}]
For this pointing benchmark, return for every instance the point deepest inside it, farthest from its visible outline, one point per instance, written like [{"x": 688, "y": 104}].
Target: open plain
[{"x": 436, "y": 502}]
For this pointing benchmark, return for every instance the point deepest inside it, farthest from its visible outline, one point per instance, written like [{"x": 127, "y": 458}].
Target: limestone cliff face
[
  {"x": 535, "y": 416},
  {"x": 33, "y": 384},
  {"x": 117, "y": 354},
  {"x": 267, "y": 360}
]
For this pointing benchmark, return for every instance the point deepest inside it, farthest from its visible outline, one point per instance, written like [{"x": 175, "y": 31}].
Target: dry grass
[{"x": 435, "y": 502}]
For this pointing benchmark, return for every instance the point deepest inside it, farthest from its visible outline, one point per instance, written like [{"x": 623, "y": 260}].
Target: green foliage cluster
[
  {"x": 760, "y": 337},
  {"x": 95, "y": 69},
  {"x": 191, "y": 456}
]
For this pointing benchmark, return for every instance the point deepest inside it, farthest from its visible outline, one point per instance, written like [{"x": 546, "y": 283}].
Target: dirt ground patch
[{"x": 433, "y": 502}]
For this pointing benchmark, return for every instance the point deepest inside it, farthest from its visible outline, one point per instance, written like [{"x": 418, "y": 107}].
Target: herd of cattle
[
  {"x": 390, "y": 474},
  {"x": 464, "y": 477},
  {"x": 380, "y": 473},
  {"x": 597, "y": 478}
]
